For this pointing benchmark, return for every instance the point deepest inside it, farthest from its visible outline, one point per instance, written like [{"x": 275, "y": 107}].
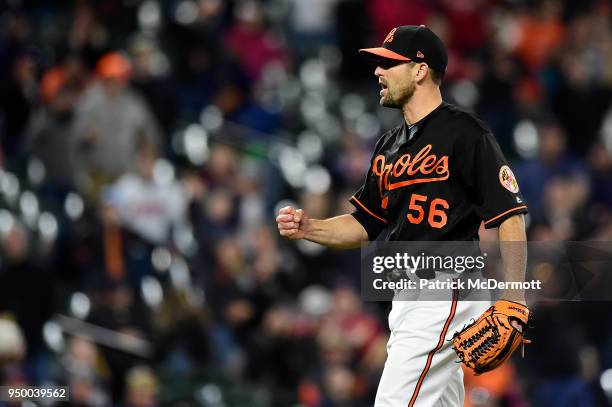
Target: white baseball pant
[{"x": 422, "y": 368}]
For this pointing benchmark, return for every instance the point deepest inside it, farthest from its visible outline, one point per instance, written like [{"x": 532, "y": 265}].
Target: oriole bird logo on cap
[{"x": 389, "y": 37}]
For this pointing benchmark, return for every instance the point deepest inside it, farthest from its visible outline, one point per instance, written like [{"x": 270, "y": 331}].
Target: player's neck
[{"x": 421, "y": 104}]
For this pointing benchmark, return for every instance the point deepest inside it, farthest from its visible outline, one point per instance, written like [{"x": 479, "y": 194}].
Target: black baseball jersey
[{"x": 439, "y": 184}]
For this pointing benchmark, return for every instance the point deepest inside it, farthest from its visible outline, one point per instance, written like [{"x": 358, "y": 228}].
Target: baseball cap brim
[{"x": 380, "y": 52}]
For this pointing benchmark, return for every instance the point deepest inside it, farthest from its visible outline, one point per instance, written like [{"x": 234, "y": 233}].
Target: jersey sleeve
[
  {"x": 368, "y": 206},
  {"x": 494, "y": 188}
]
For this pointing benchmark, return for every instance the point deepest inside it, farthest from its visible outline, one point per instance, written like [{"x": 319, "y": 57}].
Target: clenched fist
[{"x": 292, "y": 223}]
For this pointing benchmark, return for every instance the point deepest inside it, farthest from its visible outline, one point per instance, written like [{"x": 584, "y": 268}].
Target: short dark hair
[{"x": 436, "y": 76}]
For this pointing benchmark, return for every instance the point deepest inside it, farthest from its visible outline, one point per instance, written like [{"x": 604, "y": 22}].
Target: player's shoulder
[
  {"x": 467, "y": 124},
  {"x": 388, "y": 137}
]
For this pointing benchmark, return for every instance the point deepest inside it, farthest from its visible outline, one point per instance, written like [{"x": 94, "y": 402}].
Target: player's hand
[
  {"x": 521, "y": 301},
  {"x": 292, "y": 223}
]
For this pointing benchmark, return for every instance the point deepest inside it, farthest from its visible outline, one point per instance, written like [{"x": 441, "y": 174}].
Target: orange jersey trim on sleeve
[
  {"x": 505, "y": 213},
  {"x": 367, "y": 210}
]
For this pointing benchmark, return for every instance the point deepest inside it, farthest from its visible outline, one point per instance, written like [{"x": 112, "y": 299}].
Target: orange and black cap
[{"x": 412, "y": 43}]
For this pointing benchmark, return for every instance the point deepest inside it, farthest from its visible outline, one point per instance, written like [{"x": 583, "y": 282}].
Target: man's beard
[{"x": 399, "y": 100}]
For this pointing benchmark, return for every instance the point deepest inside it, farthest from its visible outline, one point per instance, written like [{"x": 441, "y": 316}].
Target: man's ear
[{"x": 422, "y": 72}]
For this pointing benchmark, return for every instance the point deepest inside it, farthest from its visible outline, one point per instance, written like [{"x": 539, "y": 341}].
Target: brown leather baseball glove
[{"x": 490, "y": 340}]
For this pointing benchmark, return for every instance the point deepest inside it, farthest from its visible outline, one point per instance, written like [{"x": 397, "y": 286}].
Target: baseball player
[{"x": 436, "y": 176}]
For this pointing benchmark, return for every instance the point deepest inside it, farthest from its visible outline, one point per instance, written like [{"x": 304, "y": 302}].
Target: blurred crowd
[{"x": 146, "y": 145}]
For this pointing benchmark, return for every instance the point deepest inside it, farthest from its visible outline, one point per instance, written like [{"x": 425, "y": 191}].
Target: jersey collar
[{"x": 414, "y": 129}]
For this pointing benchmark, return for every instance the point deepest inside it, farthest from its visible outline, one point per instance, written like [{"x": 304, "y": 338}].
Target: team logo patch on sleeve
[{"x": 507, "y": 179}]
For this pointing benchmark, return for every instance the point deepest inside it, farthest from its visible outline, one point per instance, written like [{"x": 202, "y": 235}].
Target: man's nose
[{"x": 378, "y": 71}]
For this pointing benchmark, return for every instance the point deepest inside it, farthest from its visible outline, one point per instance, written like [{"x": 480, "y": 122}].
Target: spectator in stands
[
  {"x": 87, "y": 35},
  {"x": 553, "y": 160},
  {"x": 564, "y": 203},
  {"x": 150, "y": 205},
  {"x": 250, "y": 43},
  {"x": 142, "y": 388},
  {"x": 388, "y": 14},
  {"x": 540, "y": 34},
  {"x": 83, "y": 369},
  {"x": 153, "y": 78},
  {"x": 467, "y": 24},
  {"x": 143, "y": 210},
  {"x": 13, "y": 350},
  {"x": 582, "y": 93},
  {"x": 18, "y": 96},
  {"x": 110, "y": 122},
  {"x": 310, "y": 25},
  {"x": 50, "y": 134},
  {"x": 117, "y": 307},
  {"x": 601, "y": 164},
  {"x": 19, "y": 274},
  {"x": 341, "y": 387}
]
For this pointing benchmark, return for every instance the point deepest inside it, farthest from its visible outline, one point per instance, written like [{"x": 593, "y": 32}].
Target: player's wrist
[
  {"x": 309, "y": 229},
  {"x": 517, "y": 296}
]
